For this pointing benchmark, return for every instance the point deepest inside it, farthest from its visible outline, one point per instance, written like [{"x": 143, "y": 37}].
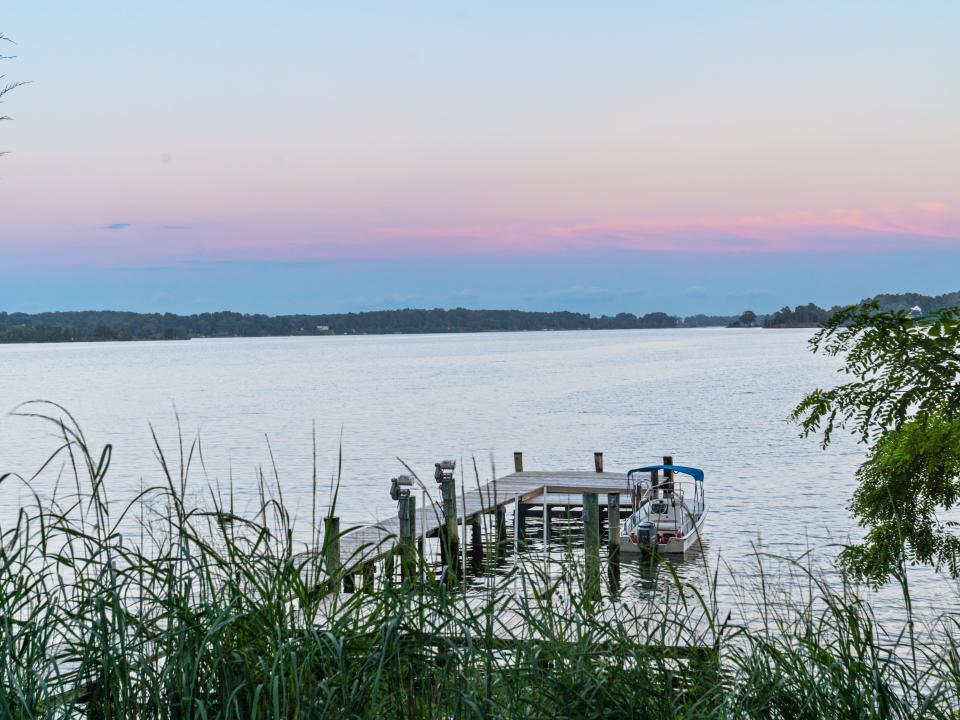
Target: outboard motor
[{"x": 644, "y": 536}]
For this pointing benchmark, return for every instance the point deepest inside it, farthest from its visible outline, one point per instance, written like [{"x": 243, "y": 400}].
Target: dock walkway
[{"x": 522, "y": 491}]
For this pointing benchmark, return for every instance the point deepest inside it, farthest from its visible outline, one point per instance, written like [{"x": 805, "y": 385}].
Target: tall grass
[{"x": 162, "y": 608}]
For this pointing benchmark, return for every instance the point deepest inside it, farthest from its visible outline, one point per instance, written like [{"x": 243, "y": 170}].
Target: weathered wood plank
[{"x": 371, "y": 542}]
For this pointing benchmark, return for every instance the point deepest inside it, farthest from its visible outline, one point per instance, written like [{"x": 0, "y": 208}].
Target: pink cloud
[
  {"x": 144, "y": 244},
  {"x": 933, "y": 207},
  {"x": 841, "y": 230}
]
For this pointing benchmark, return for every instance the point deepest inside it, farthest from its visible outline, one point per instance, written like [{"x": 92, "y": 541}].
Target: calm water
[{"x": 717, "y": 399}]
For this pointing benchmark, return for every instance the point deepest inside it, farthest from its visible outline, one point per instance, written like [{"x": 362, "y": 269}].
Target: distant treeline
[
  {"x": 112, "y": 325},
  {"x": 811, "y": 315},
  {"x": 808, "y": 315}
]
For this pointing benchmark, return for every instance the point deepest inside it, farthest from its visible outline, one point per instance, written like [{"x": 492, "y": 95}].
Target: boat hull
[{"x": 673, "y": 546}]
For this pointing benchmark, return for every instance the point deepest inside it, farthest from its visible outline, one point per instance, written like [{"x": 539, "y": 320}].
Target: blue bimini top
[{"x": 695, "y": 473}]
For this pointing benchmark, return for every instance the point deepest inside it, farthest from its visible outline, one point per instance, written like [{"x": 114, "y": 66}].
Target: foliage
[
  {"x": 802, "y": 315},
  {"x": 905, "y": 301},
  {"x": 810, "y": 315},
  {"x": 747, "y": 319},
  {"x": 112, "y": 325},
  {"x": 911, "y": 473},
  {"x": 694, "y": 321},
  {"x": 6, "y": 87},
  {"x": 905, "y": 399},
  {"x": 899, "y": 365},
  {"x": 191, "y": 612}
]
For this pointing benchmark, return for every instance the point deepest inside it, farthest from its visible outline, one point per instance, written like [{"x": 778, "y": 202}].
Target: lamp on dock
[
  {"x": 449, "y": 533},
  {"x": 399, "y": 486},
  {"x": 443, "y": 474},
  {"x": 443, "y": 470}
]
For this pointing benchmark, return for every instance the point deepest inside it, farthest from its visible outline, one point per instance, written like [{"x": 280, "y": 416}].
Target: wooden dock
[{"x": 526, "y": 493}]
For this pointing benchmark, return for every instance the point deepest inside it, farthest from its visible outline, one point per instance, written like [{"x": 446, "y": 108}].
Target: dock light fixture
[
  {"x": 443, "y": 470},
  {"x": 400, "y": 486},
  {"x": 443, "y": 474}
]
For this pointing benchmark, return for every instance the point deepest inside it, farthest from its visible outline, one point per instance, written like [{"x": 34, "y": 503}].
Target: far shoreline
[{"x": 125, "y": 341}]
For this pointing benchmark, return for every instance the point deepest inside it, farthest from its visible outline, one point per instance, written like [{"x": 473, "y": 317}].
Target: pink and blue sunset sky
[{"x": 311, "y": 157}]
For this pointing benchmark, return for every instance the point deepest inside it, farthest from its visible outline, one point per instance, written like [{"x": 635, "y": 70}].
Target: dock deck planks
[{"x": 368, "y": 543}]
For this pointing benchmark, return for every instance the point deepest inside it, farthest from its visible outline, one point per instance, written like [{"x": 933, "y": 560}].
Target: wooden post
[
  {"x": 369, "y": 572},
  {"x": 476, "y": 534},
  {"x": 668, "y": 474},
  {"x": 518, "y": 462},
  {"x": 613, "y": 571},
  {"x": 476, "y": 544},
  {"x": 591, "y": 544},
  {"x": 407, "y": 513},
  {"x": 331, "y": 549},
  {"x": 654, "y": 479},
  {"x": 500, "y": 530},
  {"x": 519, "y": 523},
  {"x": 598, "y": 462},
  {"x": 613, "y": 520},
  {"x": 449, "y": 532},
  {"x": 613, "y": 543},
  {"x": 546, "y": 518}
]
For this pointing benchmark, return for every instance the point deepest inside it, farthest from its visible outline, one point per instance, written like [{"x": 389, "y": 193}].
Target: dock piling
[
  {"x": 598, "y": 462},
  {"x": 331, "y": 547},
  {"x": 546, "y": 518},
  {"x": 591, "y": 543},
  {"x": 450, "y": 530},
  {"x": 519, "y": 522},
  {"x": 518, "y": 462},
  {"x": 613, "y": 519},
  {"x": 500, "y": 531},
  {"x": 476, "y": 544},
  {"x": 613, "y": 542},
  {"x": 407, "y": 513}
]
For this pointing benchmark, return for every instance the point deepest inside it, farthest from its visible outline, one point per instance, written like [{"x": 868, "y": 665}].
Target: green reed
[{"x": 162, "y": 608}]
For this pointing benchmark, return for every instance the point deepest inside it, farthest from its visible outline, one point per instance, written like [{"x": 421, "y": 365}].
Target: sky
[{"x": 599, "y": 157}]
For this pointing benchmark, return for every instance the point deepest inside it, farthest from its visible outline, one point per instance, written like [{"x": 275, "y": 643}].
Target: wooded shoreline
[{"x": 110, "y": 325}]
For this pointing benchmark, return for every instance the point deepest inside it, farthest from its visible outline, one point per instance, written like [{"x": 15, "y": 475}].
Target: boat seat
[{"x": 665, "y": 525}]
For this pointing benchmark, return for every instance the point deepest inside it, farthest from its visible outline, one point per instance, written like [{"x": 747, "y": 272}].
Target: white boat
[{"x": 669, "y": 513}]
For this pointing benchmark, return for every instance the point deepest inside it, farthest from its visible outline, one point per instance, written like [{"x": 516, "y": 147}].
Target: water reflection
[{"x": 713, "y": 399}]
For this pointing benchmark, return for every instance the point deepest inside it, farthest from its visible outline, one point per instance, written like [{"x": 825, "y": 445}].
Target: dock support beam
[
  {"x": 407, "y": 513},
  {"x": 500, "y": 531},
  {"x": 331, "y": 550},
  {"x": 476, "y": 543},
  {"x": 519, "y": 522},
  {"x": 613, "y": 543},
  {"x": 613, "y": 519},
  {"x": 591, "y": 544},
  {"x": 546, "y": 518},
  {"x": 450, "y": 531}
]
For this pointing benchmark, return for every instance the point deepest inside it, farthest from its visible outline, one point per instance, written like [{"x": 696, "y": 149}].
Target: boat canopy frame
[{"x": 695, "y": 473}]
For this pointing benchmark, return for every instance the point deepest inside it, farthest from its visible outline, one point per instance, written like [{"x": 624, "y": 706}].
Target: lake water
[{"x": 716, "y": 399}]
